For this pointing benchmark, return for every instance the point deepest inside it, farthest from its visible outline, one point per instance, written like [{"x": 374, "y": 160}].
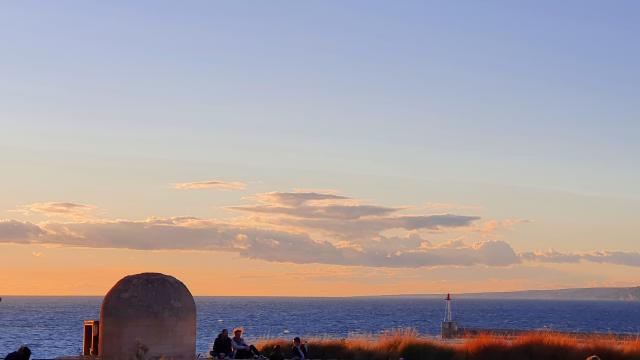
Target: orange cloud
[
  {"x": 210, "y": 184},
  {"x": 67, "y": 209}
]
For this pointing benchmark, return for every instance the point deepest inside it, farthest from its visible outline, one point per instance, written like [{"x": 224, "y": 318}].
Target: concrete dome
[{"x": 148, "y": 316}]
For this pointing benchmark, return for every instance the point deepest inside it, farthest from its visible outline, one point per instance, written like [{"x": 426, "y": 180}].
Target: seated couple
[
  {"x": 299, "y": 351},
  {"x": 225, "y": 347}
]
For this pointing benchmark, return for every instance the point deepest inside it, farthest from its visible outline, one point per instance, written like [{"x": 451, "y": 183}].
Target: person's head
[
  {"x": 296, "y": 341},
  {"x": 237, "y": 332},
  {"x": 224, "y": 332},
  {"x": 25, "y": 352}
]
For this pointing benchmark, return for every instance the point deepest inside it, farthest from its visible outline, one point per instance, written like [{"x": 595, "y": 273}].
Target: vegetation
[{"x": 407, "y": 345}]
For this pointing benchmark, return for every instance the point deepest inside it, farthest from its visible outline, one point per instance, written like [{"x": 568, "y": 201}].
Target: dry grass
[{"x": 406, "y": 344}]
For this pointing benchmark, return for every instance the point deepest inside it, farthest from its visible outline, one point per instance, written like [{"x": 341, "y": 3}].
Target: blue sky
[
  {"x": 538, "y": 94},
  {"x": 528, "y": 110}
]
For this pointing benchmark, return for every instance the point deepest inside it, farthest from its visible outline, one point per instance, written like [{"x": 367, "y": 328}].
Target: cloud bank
[
  {"x": 298, "y": 227},
  {"x": 628, "y": 258},
  {"x": 198, "y": 234},
  {"x": 206, "y": 235}
]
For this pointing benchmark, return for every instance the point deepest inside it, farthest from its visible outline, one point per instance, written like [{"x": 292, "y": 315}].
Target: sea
[{"x": 52, "y": 326}]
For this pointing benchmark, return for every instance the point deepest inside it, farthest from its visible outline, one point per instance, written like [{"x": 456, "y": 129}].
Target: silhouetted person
[
  {"x": 23, "y": 353},
  {"x": 276, "y": 353},
  {"x": 222, "y": 346},
  {"x": 241, "y": 349},
  {"x": 299, "y": 350}
]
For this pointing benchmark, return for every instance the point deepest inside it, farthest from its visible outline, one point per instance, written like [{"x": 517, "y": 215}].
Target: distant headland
[{"x": 595, "y": 293}]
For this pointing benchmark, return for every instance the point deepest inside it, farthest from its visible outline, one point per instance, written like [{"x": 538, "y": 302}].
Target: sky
[{"x": 321, "y": 148}]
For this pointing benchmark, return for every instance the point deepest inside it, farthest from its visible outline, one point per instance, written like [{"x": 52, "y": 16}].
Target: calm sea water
[{"x": 52, "y": 326}]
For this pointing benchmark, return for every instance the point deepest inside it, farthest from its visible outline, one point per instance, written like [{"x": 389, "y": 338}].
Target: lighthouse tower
[
  {"x": 449, "y": 328},
  {"x": 447, "y": 313}
]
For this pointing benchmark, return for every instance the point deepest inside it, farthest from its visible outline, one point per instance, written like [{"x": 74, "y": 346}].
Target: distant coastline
[{"x": 595, "y": 293}]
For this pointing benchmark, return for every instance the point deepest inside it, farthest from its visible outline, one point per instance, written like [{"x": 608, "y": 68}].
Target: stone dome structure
[{"x": 148, "y": 316}]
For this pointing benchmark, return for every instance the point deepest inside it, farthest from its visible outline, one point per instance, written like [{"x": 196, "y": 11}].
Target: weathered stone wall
[{"x": 148, "y": 316}]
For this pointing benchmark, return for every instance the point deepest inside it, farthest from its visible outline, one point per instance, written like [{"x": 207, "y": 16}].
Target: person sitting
[
  {"x": 299, "y": 350},
  {"x": 23, "y": 353},
  {"x": 222, "y": 348},
  {"x": 240, "y": 348},
  {"x": 276, "y": 353}
]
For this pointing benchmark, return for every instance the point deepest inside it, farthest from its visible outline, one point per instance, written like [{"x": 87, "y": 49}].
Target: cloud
[
  {"x": 295, "y": 199},
  {"x": 492, "y": 226},
  {"x": 297, "y": 227},
  {"x": 322, "y": 211},
  {"x": 491, "y": 253},
  {"x": 210, "y": 184},
  {"x": 301, "y": 227},
  {"x": 340, "y": 216},
  {"x": 189, "y": 233},
  {"x": 57, "y": 209},
  {"x": 371, "y": 227},
  {"x": 312, "y": 205},
  {"x": 628, "y": 258},
  {"x": 197, "y": 234},
  {"x": 14, "y": 231}
]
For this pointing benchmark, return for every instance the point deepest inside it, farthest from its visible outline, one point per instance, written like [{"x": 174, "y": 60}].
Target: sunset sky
[{"x": 323, "y": 148}]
